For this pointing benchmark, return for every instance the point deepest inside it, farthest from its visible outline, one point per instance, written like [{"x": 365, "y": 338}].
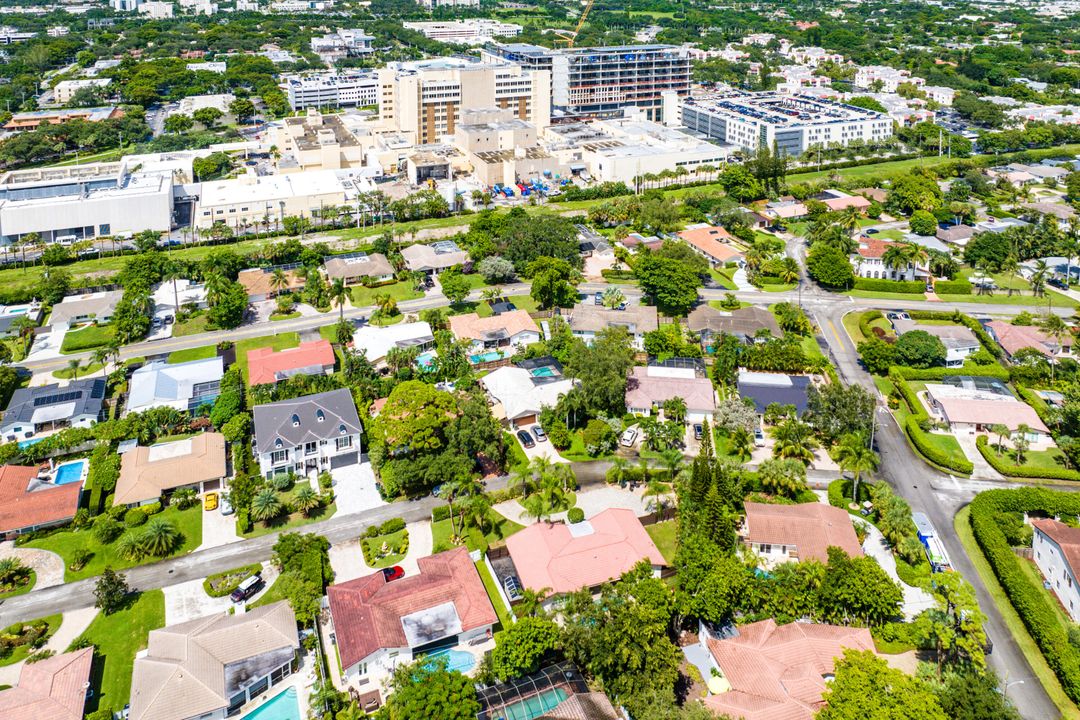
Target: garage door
[
  {"x": 340, "y": 461},
  {"x": 525, "y": 421}
]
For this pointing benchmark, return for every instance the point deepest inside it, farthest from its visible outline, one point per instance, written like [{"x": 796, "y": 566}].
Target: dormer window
[
  {"x": 278, "y": 443},
  {"x": 320, "y": 415},
  {"x": 342, "y": 430},
  {"x": 296, "y": 421}
]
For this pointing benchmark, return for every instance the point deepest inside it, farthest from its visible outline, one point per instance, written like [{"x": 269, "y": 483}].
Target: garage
[
  {"x": 340, "y": 461},
  {"x": 525, "y": 421}
]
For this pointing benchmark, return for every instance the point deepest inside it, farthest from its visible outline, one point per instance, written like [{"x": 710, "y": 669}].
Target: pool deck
[{"x": 303, "y": 680}]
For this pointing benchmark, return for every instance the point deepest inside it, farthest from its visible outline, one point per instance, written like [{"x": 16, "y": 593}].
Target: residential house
[
  {"x": 147, "y": 473},
  {"x": 29, "y": 502},
  {"x": 779, "y": 671},
  {"x": 747, "y": 324},
  {"x": 375, "y": 342},
  {"x": 765, "y": 389},
  {"x": 173, "y": 295},
  {"x": 587, "y": 319},
  {"x": 1057, "y": 555},
  {"x": 648, "y": 388},
  {"x": 785, "y": 533},
  {"x": 868, "y": 260},
  {"x": 49, "y": 407},
  {"x": 1062, "y": 212},
  {"x": 51, "y": 689},
  {"x": 1055, "y": 266},
  {"x": 184, "y": 386},
  {"x": 213, "y": 666},
  {"x": 520, "y": 393},
  {"x": 75, "y": 309},
  {"x": 955, "y": 234},
  {"x": 267, "y": 366},
  {"x": 259, "y": 282},
  {"x": 359, "y": 268},
  {"x": 974, "y": 410},
  {"x": 10, "y": 314},
  {"x": 959, "y": 341},
  {"x": 499, "y": 334},
  {"x": 434, "y": 258},
  {"x": 379, "y": 624},
  {"x": 567, "y": 558},
  {"x": 837, "y": 200},
  {"x": 635, "y": 241},
  {"x": 307, "y": 434},
  {"x": 1014, "y": 338},
  {"x": 714, "y": 244},
  {"x": 993, "y": 224},
  {"x": 786, "y": 210}
]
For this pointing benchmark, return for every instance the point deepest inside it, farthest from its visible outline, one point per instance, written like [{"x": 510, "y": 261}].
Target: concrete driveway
[
  {"x": 347, "y": 560},
  {"x": 218, "y": 529},
  {"x": 539, "y": 449},
  {"x": 47, "y": 344},
  {"x": 48, "y": 566},
  {"x": 915, "y": 599},
  {"x": 188, "y": 601},
  {"x": 591, "y": 503},
  {"x": 982, "y": 469},
  {"x": 354, "y": 489}
]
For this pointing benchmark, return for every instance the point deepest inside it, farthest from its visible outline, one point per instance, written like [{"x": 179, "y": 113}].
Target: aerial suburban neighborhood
[{"x": 539, "y": 360}]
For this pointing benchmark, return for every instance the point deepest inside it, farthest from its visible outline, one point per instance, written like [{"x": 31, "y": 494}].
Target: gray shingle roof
[
  {"x": 297, "y": 421},
  {"x": 85, "y": 396}
]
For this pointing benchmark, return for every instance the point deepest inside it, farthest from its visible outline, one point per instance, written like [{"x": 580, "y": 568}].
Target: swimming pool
[
  {"x": 23, "y": 444},
  {"x": 17, "y": 311},
  {"x": 284, "y": 706},
  {"x": 489, "y": 356},
  {"x": 545, "y": 371},
  {"x": 534, "y": 706},
  {"x": 426, "y": 360},
  {"x": 69, "y": 472},
  {"x": 456, "y": 660}
]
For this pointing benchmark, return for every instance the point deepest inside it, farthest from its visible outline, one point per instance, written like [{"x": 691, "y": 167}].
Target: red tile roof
[
  {"x": 264, "y": 363},
  {"x": 551, "y": 555},
  {"x": 1017, "y": 337},
  {"x": 21, "y": 509},
  {"x": 1067, "y": 538},
  {"x": 367, "y": 611},
  {"x": 810, "y": 527},
  {"x": 712, "y": 241},
  {"x": 52, "y": 689},
  {"x": 777, "y": 672},
  {"x": 873, "y": 248}
]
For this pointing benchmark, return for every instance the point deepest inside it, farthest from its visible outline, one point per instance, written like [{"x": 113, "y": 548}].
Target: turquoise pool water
[
  {"x": 546, "y": 371},
  {"x": 533, "y": 707},
  {"x": 23, "y": 444},
  {"x": 458, "y": 660},
  {"x": 426, "y": 359},
  {"x": 489, "y": 356},
  {"x": 68, "y": 473},
  {"x": 280, "y": 707}
]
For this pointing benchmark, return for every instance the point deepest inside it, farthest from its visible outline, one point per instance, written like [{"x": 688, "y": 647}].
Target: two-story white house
[
  {"x": 868, "y": 261},
  {"x": 1057, "y": 554},
  {"x": 587, "y": 320},
  {"x": 307, "y": 434}
]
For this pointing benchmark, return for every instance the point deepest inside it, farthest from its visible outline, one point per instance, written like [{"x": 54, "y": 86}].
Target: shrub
[
  {"x": 864, "y": 322},
  {"x": 558, "y": 434},
  {"x": 152, "y": 509},
  {"x": 135, "y": 517},
  {"x": 243, "y": 521},
  {"x": 938, "y": 373},
  {"x": 908, "y": 287},
  {"x": 106, "y": 529},
  {"x": 81, "y": 519},
  {"x": 952, "y": 287},
  {"x": 283, "y": 481},
  {"x": 392, "y": 525},
  {"x": 575, "y": 515},
  {"x": 223, "y": 583},
  {"x": 79, "y": 558},
  {"x": 918, "y": 436},
  {"x": 1005, "y": 467}
]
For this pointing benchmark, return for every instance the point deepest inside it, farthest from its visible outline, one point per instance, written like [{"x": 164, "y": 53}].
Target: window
[
  {"x": 279, "y": 456},
  {"x": 343, "y": 443},
  {"x": 320, "y": 415},
  {"x": 766, "y": 548},
  {"x": 311, "y": 448}
]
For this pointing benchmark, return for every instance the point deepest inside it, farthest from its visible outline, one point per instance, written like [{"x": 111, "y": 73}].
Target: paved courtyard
[{"x": 590, "y": 501}]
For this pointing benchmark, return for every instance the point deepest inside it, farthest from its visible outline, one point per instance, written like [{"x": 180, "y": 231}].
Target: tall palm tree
[
  {"x": 172, "y": 272},
  {"x": 1038, "y": 278},
  {"x": 477, "y": 509},
  {"x": 741, "y": 443},
  {"x": 216, "y": 286},
  {"x": 1002, "y": 432},
  {"x": 848, "y": 220},
  {"x": 338, "y": 294},
  {"x": 1056, "y": 328},
  {"x": 673, "y": 462},
  {"x": 73, "y": 368},
  {"x": 1021, "y": 443},
  {"x": 101, "y": 357},
  {"x": 278, "y": 280},
  {"x": 660, "y": 492},
  {"x": 617, "y": 473},
  {"x": 794, "y": 440},
  {"x": 789, "y": 270},
  {"x": 853, "y": 455}
]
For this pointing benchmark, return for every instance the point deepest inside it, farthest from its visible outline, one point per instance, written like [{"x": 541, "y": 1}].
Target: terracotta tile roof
[
  {"x": 265, "y": 365},
  {"x": 842, "y": 203},
  {"x": 990, "y": 412},
  {"x": 873, "y": 248},
  {"x": 567, "y": 558},
  {"x": 22, "y": 509},
  {"x": 777, "y": 672},
  {"x": 583, "y": 706},
  {"x": 644, "y": 390},
  {"x": 52, "y": 689},
  {"x": 473, "y": 327},
  {"x": 146, "y": 472},
  {"x": 810, "y": 527},
  {"x": 367, "y": 612},
  {"x": 1067, "y": 538},
  {"x": 257, "y": 281},
  {"x": 712, "y": 241},
  {"x": 1017, "y": 337}
]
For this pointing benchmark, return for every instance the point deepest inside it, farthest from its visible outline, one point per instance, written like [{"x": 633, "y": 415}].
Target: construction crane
[{"x": 569, "y": 38}]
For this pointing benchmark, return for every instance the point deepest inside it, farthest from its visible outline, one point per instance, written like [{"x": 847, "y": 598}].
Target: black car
[
  {"x": 249, "y": 587},
  {"x": 1058, "y": 283},
  {"x": 526, "y": 439}
]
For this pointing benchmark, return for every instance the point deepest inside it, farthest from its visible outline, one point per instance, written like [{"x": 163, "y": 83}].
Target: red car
[{"x": 393, "y": 573}]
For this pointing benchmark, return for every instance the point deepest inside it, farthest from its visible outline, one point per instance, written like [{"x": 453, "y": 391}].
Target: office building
[
  {"x": 601, "y": 81},
  {"x": 359, "y": 89},
  {"x": 882, "y": 78},
  {"x": 792, "y": 124},
  {"x": 346, "y": 42},
  {"x": 9, "y": 35},
  {"x": 433, "y": 4},
  {"x": 475, "y": 31},
  {"x": 253, "y": 200},
  {"x": 65, "y": 90},
  {"x": 425, "y": 99},
  {"x": 36, "y": 118}
]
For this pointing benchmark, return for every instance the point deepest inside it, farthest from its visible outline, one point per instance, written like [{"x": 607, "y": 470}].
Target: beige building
[
  {"x": 251, "y": 199},
  {"x": 66, "y": 89},
  {"x": 502, "y": 148},
  {"x": 316, "y": 142},
  {"x": 146, "y": 473},
  {"x": 426, "y": 98}
]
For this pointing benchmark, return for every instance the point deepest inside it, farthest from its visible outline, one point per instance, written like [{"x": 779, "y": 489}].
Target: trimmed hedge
[
  {"x": 938, "y": 373},
  {"x": 952, "y": 287},
  {"x": 967, "y": 321},
  {"x": 864, "y": 322},
  {"x": 1031, "y": 602},
  {"x": 918, "y": 436},
  {"x": 1005, "y": 467},
  {"x": 908, "y": 287},
  {"x": 1037, "y": 404},
  {"x": 233, "y": 577}
]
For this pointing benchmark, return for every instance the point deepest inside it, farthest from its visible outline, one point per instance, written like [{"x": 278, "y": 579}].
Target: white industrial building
[
  {"x": 358, "y": 89},
  {"x": 66, "y": 89},
  {"x": 475, "y": 31},
  {"x": 792, "y": 124},
  {"x": 433, "y": 4}
]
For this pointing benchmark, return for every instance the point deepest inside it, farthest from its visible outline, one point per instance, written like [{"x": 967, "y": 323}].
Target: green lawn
[
  {"x": 524, "y": 302},
  {"x": 576, "y": 451},
  {"x": 291, "y": 521},
  {"x": 117, "y": 638},
  {"x": 482, "y": 309},
  {"x": 283, "y": 341},
  {"x": 386, "y": 320},
  {"x": 894, "y": 167},
  {"x": 718, "y": 304},
  {"x": 22, "y": 651},
  {"x": 505, "y": 619},
  {"x": 889, "y": 234},
  {"x": 851, "y": 324},
  {"x": 780, "y": 287},
  {"x": 875, "y": 295},
  {"x": 66, "y": 542},
  {"x": 194, "y": 326},
  {"x": 665, "y": 535},
  {"x": 198, "y": 353},
  {"x": 272, "y": 595},
  {"x": 499, "y": 528},
  {"x": 516, "y": 454},
  {"x": 392, "y": 540},
  {"x": 723, "y": 278},
  {"x": 87, "y": 338},
  {"x": 1001, "y": 298},
  {"x": 83, "y": 371},
  {"x": 400, "y": 291},
  {"x": 947, "y": 444},
  {"x": 23, "y": 590},
  {"x": 275, "y": 317},
  {"x": 1052, "y": 458},
  {"x": 1016, "y": 627},
  {"x": 810, "y": 347}
]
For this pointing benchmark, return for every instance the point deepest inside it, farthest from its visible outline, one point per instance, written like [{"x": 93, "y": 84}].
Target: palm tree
[
  {"x": 216, "y": 286},
  {"x": 672, "y": 460},
  {"x": 338, "y": 294},
  {"x": 278, "y": 280},
  {"x": 619, "y": 466},
  {"x": 1055, "y": 327},
  {"x": 130, "y": 547},
  {"x": 1021, "y": 443},
  {"x": 451, "y": 489},
  {"x": 101, "y": 357},
  {"x": 848, "y": 220},
  {"x": 612, "y": 298},
  {"x": 532, "y": 602},
  {"x": 741, "y": 443},
  {"x": 306, "y": 500},
  {"x": 73, "y": 368},
  {"x": 266, "y": 505},
  {"x": 659, "y": 492},
  {"x": 1002, "y": 432},
  {"x": 386, "y": 304},
  {"x": 1038, "y": 278},
  {"x": 490, "y": 295},
  {"x": 477, "y": 510},
  {"x": 853, "y": 455},
  {"x": 789, "y": 270},
  {"x": 13, "y": 572},
  {"x": 159, "y": 538},
  {"x": 794, "y": 441},
  {"x": 172, "y": 272}
]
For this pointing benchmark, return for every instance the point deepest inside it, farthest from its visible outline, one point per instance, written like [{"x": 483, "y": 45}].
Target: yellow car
[{"x": 210, "y": 501}]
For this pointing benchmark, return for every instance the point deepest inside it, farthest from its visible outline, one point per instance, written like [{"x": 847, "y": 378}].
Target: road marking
[{"x": 836, "y": 333}]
